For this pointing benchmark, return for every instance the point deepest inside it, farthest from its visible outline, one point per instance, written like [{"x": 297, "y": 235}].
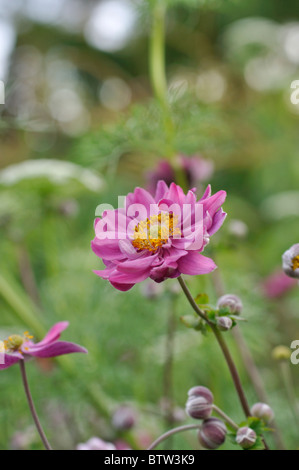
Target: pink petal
[
  {"x": 161, "y": 190},
  {"x": 137, "y": 265},
  {"x": 58, "y": 348},
  {"x": 195, "y": 263},
  {"x": 53, "y": 334},
  {"x": 107, "y": 249},
  {"x": 9, "y": 360}
]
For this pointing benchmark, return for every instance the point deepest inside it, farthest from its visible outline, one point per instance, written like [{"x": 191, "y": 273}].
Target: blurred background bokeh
[{"x": 80, "y": 126}]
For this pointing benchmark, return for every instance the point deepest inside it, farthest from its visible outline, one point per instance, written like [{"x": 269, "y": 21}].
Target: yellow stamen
[
  {"x": 13, "y": 343},
  {"x": 152, "y": 233},
  {"x": 295, "y": 262}
]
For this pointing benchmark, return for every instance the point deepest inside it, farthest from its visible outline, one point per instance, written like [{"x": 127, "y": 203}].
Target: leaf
[
  {"x": 190, "y": 321},
  {"x": 202, "y": 299},
  {"x": 259, "y": 445}
]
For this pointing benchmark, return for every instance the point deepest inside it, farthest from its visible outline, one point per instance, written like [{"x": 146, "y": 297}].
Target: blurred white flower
[
  {"x": 281, "y": 205},
  {"x": 57, "y": 171},
  {"x": 110, "y": 25}
]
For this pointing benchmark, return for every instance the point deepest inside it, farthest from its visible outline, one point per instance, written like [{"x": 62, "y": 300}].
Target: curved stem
[
  {"x": 248, "y": 361},
  {"x": 32, "y": 407},
  {"x": 225, "y": 417},
  {"x": 223, "y": 346},
  {"x": 167, "y": 434}
]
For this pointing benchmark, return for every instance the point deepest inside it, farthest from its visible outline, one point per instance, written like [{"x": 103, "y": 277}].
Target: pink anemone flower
[
  {"x": 163, "y": 241},
  {"x": 18, "y": 347}
]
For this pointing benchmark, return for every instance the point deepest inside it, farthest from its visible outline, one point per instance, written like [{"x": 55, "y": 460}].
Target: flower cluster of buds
[
  {"x": 212, "y": 432},
  {"x": 233, "y": 305}
]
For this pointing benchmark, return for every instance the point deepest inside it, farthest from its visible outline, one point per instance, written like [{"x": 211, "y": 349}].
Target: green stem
[
  {"x": 225, "y": 417},
  {"x": 223, "y": 346},
  {"x": 167, "y": 434},
  {"x": 32, "y": 407},
  {"x": 157, "y": 54},
  {"x": 158, "y": 71},
  {"x": 289, "y": 386}
]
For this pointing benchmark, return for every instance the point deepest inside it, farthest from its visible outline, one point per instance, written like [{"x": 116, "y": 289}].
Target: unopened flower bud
[
  {"x": 212, "y": 433},
  {"x": 198, "y": 407},
  {"x": 246, "y": 437},
  {"x": 281, "y": 353},
  {"x": 200, "y": 402},
  {"x": 200, "y": 391},
  {"x": 232, "y": 302},
  {"x": 290, "y": 261},
  {"x": 124, "y": 418},
  {"x": 262, "y": 411},
  {"x": 224, "y": 323}
]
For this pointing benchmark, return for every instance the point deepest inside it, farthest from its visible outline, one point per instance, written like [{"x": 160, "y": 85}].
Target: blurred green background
[{"x": 79, "y": 127}]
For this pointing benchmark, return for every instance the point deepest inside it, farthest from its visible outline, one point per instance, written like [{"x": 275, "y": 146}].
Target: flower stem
[
  {"x": 290, "y": 389},
  {"x": 225, "y": 417},
  {"x": 223, "y": 346},
  {"x": 158, "y": 71},
  {"x": 32, "y": 407},
  {"x": 167, "y": 434},
  {"x": 248, "y": 361}
]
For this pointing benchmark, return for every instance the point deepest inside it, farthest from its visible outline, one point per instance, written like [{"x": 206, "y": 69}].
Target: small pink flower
[
  {"x": 162, "y": 245},
  {"x": 18, "y": 347},
  {"x": 95, "y": 443},
  {"x": 278, "y": 284},
  {"x": 195, "y": 168}
]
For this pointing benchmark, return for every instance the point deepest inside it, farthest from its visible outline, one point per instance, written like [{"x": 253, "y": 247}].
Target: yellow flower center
[
  {"x": 152, "y": 233},
  {"x": 14, "y": 342},
  {"x": 295, "y": 262}
]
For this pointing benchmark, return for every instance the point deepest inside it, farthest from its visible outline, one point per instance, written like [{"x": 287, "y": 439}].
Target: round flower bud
[
  {"x": 200, "y": 391},
  {"x": 262, "y": 411},
  {"x": 290, "y": 261},
  {"x": 246, "y": 437},
  {"x": 124, "y": 418},
  {"x": 224, "y": 323},
  {"x": 281, "y": 353},
  {"x": 212, "y": 433},
  {"x": 232, "y": 302},
  {"x": 198, "y": 407}
]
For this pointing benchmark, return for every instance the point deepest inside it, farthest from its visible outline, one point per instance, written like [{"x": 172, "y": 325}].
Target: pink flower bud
[
  {"x": 290, "y": 261},
  {"x": 224, "y": 323},
  {"x": 246, "y": 437},
  {"x": 262, "y": 411},
  {"x": 232, "y": 302},
  {"x": 200, "y": 402},
  {"x": 212, "y": 433},
  {"x": 124, "y": 418},
  {"x": 200, "y": 391},
  {"x": 198, "y": 408}
]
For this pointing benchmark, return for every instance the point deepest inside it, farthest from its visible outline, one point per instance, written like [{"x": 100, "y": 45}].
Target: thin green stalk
[
  {"x": 32, "y": 407},
  {"x": 248, "y": 361},
  {"x": 225, "y": 417},
  {"x": 223, "y": 346},
  {"x": 290, "y": 389},
  {"x": 173, "y": 431},
  {"x": 157, "y": 71}
]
